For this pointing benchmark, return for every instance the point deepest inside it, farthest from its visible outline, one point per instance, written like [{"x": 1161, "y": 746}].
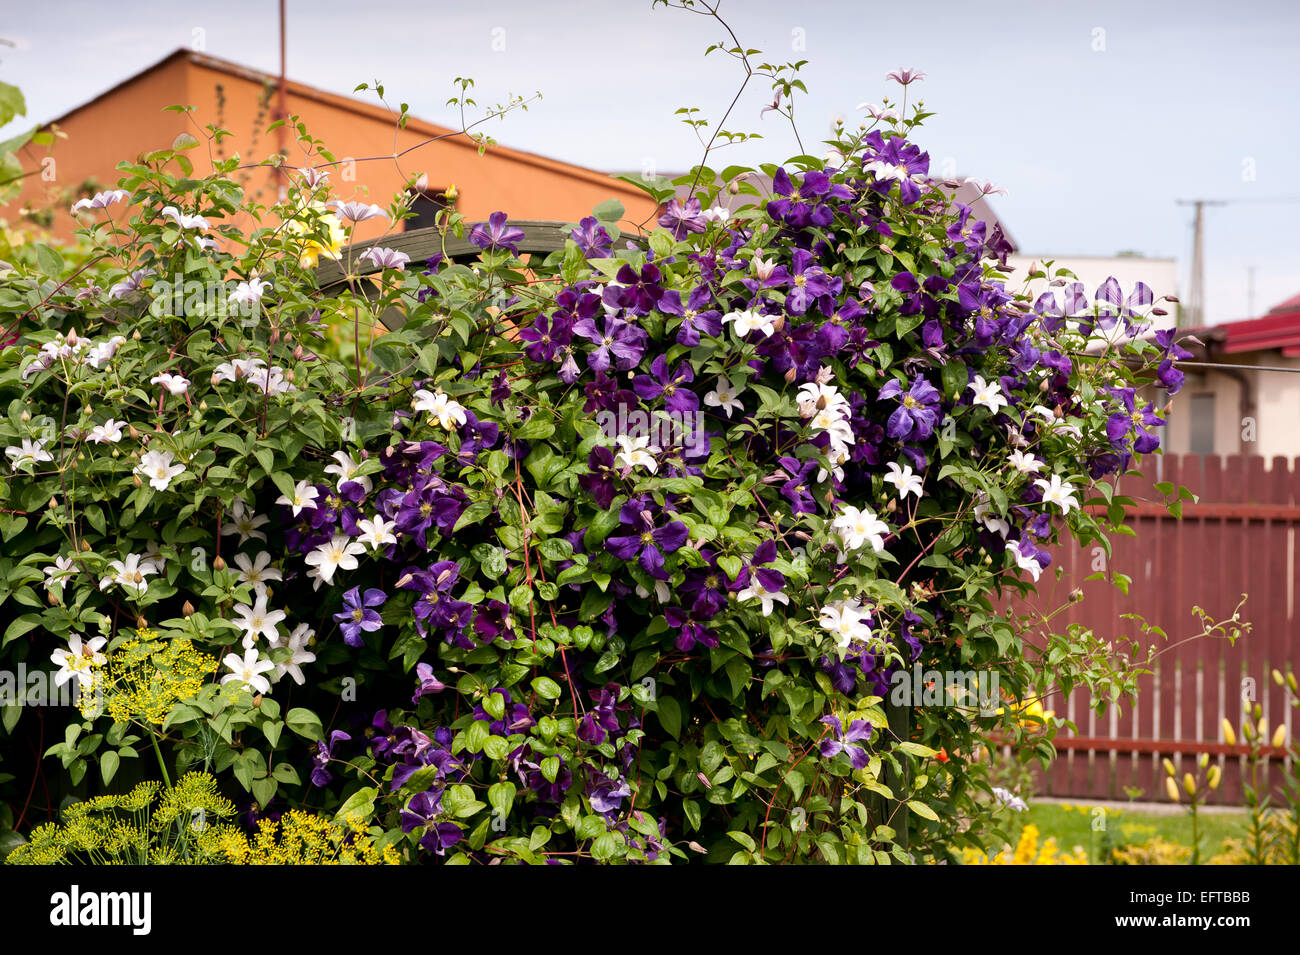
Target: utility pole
[
  {"x": 282, "y": 109},
  {"x": 1194, "y": 316}
]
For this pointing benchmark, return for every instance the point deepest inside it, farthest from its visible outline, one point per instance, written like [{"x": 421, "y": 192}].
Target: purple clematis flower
[
  {"x": 601, "y": 720},
  {"x": 708, "y": 586},
  {"x": 495, "y": 234},
  {"x": 434, "y": 585},
  {"x": 619, "y": 343},
  {"x": 1131, "y": 425},
  {"x": 320, "y": 774},
  {"x": 799, "y": 479},
  {"x": 659, "y": 383},
  {"x": 808, "y": 282},
  {"x": 421, "y": 812},
  {"x": 644, "y": 540},
  {"x": 429, "y": 684},
  {"x": 607, "y": 794},
  {"x": 599, "y": 482},
  {"x": 604, "y": 394},
  {"x": 845, "y": 741},
  {"x": 546, "y": 336},
  {"x": 477, "y": 436},
  {"x": 918, "y": 410},
  {"x": 805, "y": 205},
  {"x": 638, "y": 292},
  {"x": 681, "y": 218},
  {"x": 689, "y": 630},
  {"x": 592, "y": 238},
  {"x": 492, "y": 620},
  {"x": 357, "y": 614},
  {"x": 696, "y": 318}
]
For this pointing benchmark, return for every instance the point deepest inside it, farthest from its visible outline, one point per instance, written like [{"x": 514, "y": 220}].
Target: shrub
[{"x": 616, "y": 554}]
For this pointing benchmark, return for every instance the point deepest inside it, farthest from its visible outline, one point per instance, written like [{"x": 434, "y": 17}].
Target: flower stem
[{"x": 153, "y": 738}]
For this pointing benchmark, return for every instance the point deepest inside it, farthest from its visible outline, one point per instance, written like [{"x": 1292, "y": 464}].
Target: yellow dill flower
[
  {"x": 301, "y": 838},
  {"x": 149, "y": 675}
]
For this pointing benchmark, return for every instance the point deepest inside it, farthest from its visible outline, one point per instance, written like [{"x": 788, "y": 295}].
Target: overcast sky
[{"x": 1094, "y": 116}]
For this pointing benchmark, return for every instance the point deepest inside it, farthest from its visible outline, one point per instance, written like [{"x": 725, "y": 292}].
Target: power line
[{"x": 1193, "y": 364}]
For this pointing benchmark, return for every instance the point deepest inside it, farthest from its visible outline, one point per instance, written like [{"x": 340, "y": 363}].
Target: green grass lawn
[{"x": 1072, "y": 825}]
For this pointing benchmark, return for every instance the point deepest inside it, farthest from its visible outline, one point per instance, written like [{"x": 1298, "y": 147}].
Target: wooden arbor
[{"x": 541, "y": 237}]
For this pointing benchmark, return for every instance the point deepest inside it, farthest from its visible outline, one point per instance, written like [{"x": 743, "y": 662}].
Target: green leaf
[
  {"x": 916, "y": 749},
  {"x": 264, "y": 790},
  {"x": 922, "y": 810},
  {"x": 108, "y": 763},
  {"x": 954, "y": 378},
  {"x": 360, "y": 805},
  {"x": 305, "y": 723},
  {"x": 473, "y": 514},
  {"x": 546, "y": 688},
  {"x": 744, "y": 839},
  {"x": 691, "y": 808},
  {"x": 611, "y": 210},
  {"x": 501, "y": 796},
  {"x": 670, "y": 715}
]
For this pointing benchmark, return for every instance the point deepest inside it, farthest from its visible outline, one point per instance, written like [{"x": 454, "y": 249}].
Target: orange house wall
[{"x": 128, "y": 121}]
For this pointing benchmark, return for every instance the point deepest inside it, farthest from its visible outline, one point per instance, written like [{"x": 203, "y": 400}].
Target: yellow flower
[{"x": 318, "y": 219}]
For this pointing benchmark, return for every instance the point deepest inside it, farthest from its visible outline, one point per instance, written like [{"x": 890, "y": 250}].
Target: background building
[{"x": 130, "y": 119}]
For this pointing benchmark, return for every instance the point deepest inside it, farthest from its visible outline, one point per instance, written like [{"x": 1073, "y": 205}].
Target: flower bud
[
  {"x": 140, "y": 622},
  {"x": 451, "y": 192},
  {"x": 135, "y": 481},
  {"x": 203, "y": 406},
  {"x": 51, "y": 597},
  {"x": 130, "y": 429},
  {"x": 257, "y": 700},
  {"x": 187, "y": 609},
  {"x": 85, "y": 545},
  {"x": 1203, "y": 760},
  {"x": 1212, "y": 778},
  {"x": 1229, "y": 736},
  {"x": 1291, "y": 682},
  {"x": 25, "y": 416},
  {"x": 1277, "y": 676},
  {"x": 53, "y": 505},
  {"x": 1189, "y": 783},
  {"x": 1172, "y": 788},
  {"x": 1279, "y": 736},
  {"x": 1262, "y": 728},
  {"x": 135, "y": 335},
  {"x": 1169, "y": 767},
  {"x": 218, "y": 563}
]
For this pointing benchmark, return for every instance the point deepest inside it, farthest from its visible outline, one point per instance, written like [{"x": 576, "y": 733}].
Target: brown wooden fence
[{"x": 1238, "y": 538}]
